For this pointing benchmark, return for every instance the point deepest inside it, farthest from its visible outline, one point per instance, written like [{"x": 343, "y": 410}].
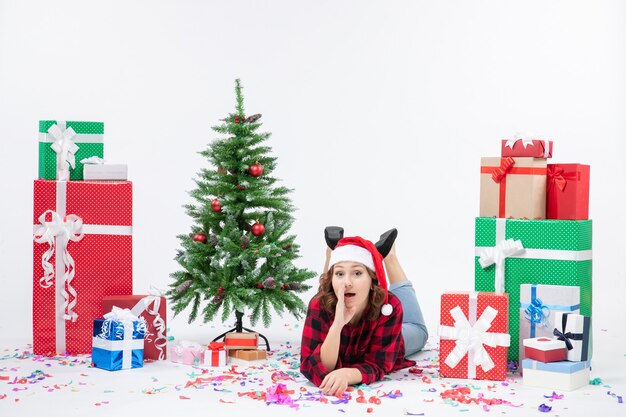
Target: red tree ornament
[
  {"x": 199, "y": 237},
  {"x": 215, "y": 205},
  {"x": 258, "y": 229},
  {"x": 256, "y": 170}
]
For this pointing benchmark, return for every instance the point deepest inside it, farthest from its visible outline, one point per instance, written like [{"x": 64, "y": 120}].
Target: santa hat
[{"x": 357, "y": 249}]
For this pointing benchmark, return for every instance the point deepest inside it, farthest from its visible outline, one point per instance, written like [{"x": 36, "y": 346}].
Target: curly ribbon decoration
[
  {"x": 497, "y": 255},
  {"x": 537, "y": 312},
  {"x": 65, "y": 148},
  {"x": 154, "y": 300},
  {"x": 500, "y": 172},
  {"x": 59, "y": 232},
  {"x": 559, "y": 178},
  {"x": 471, "y": 338}
]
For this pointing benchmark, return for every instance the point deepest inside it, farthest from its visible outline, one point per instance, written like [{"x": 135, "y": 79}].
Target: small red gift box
[
  {"x": 241, "y": 340},
  {"x": 545, "y": 349},
  {"x": 535, "y": 148},
  {"x": 82, "y": 252},
  {"x": 567, "y": 192},
  {"x": 152, "y": 309},
  {"x": 474, "y": 335}
]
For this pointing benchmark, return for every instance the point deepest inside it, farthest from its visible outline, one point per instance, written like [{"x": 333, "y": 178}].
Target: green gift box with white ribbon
[
  {"x": 63, "y": 144},
  {"x": 511, "y": 252}
]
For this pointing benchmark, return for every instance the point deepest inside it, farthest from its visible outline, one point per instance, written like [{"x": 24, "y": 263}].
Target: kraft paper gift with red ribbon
[
  {"x": 152, "y": 309},
  {"x": 529, "y": 147},
  {"x": 247, "y": 354},
  {"x": 567, "y": 195},
  {"x": 473, "y": 335},
  {"x": 215, "y": 354},
  {"x": 186, "y": 352},
  {"x": 241, "y": 340},
  {"x": 82, "y": 252},
  {"x": 513, "y": 187}
]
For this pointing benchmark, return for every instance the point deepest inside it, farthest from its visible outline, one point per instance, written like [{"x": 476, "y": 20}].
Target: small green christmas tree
[{"x": 239, "y": 255}]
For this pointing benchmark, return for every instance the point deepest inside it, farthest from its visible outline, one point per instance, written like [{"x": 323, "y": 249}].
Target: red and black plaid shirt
[{"x": 373, "y": 347}]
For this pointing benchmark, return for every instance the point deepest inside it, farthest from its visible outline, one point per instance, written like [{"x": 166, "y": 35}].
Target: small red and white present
[
  {"x": 152, "y": 309},
  {"x": 574, "y": 330},
  {"x": 474, "y": 335},
  {"x": 527, "y": 146},
  {"x": 241, "y": 340},
  {"x": 82, "y": 252},
  {"x": 545, "y": 349},
  {"x": 215, "y": 354}
]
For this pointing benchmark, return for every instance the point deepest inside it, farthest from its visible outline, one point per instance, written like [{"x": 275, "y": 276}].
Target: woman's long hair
[{"x": 328, "y": 299}]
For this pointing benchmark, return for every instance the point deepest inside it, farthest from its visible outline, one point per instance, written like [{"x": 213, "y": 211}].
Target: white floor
[{"x": 31, "y": 386}]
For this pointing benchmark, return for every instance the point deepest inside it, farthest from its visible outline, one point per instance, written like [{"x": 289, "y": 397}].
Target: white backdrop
[{"x": 379, "y": 113}]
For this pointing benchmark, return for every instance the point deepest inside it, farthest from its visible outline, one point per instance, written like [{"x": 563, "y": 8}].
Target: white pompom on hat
[{"x": 357, "y": 249}]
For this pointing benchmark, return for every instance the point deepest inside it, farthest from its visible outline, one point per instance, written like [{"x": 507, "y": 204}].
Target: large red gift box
[
  {"x": 536, "y": 148},
  {"x": 568, "y": 192},
  {"x": 152, "y": 309},
  {"x": 82, "y": 252},
  {"x": 474, "y": 335}
]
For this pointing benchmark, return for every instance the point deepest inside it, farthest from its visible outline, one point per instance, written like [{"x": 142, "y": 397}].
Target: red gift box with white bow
[
  {"x": 535, "y": 148},
  {"x": 474, "y": 335},
  {"x": 82, "y": 252}
]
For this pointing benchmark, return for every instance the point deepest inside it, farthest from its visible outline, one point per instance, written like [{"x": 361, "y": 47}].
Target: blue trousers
[{"x": 414, "y": 329}]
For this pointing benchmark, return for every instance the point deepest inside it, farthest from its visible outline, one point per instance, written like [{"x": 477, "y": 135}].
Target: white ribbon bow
[
  {"x": 93, "y": 160},
  {"x": 59, "y": 232},
  {"x": 497, "y": 255},
  {"x": 526, "y": 140},
  {"x": 154, "y": 299},
  {"x": 65, "y": 149},
  {"x": 470, "y": 339}
]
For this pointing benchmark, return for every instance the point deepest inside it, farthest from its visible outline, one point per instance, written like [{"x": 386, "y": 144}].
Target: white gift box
[
  {"x": 577, "y": 330},
  {"x": 105, "y": 172},
  {"x": 538, "y": 307},
  {"x": 564, "y": 375}
]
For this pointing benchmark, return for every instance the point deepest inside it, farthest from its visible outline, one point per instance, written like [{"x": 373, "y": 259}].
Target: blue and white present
[
  {"x": 118, "y": 341},
  {"x": 563, "y": 375}
]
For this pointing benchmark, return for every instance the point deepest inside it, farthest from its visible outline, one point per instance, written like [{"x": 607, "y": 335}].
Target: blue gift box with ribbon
[
  {"x": 539, "y": 305},
  {"x": 118, "y": 341}
]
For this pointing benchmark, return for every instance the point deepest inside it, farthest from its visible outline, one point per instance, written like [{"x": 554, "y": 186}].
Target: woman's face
[{"x": 353, "y": 276}]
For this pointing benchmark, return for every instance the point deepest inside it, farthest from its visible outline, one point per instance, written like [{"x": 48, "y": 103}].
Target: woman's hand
[
  {"x": 337, "y": 381},
  {"x": 343, "y": 314}
]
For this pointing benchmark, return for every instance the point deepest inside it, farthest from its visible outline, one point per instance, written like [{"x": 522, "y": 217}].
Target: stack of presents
[
  {"x": 532, "y": 277},
  {"x": 83, "y": 298}
]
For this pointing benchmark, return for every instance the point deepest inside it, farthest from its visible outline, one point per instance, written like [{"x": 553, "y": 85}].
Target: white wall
[{"x": 379, "y": 112}]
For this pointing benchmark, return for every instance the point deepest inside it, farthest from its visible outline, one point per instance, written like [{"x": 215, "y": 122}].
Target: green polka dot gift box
[
  {"x": 63, "y": 144},
  {"x": 511, "y": 252}
]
